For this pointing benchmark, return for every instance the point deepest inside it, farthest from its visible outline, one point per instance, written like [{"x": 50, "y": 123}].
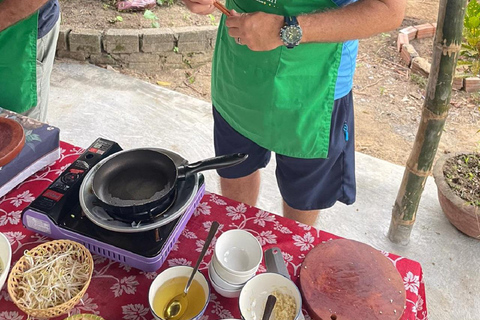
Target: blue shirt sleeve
[{"x": 47, "y": 17}]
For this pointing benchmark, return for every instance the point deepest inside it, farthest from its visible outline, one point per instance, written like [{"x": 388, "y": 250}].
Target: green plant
[
  {"x": 166, "y": 2},
  {"x": 385, "y": 35},
  {"x": 470, "y": 51},
  {"x": 116, "y": 19},
  {"x": 190, "y": 77},
  {"x": 419, "y": 80},
  {"x": 212, "y": 19},
  {"x": 150, "y": 15}
]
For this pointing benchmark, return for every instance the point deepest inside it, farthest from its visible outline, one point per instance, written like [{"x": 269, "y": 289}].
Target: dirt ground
[{"x": 388, "y": 98}]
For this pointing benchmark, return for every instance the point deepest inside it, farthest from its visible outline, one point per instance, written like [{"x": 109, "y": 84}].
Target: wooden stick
[{"x": 222, "y": 8}]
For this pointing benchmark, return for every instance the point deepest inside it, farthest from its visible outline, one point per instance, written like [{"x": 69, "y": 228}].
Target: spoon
[
  {"x": 178, "y": 304},
  {"x": 271, "y": 300}
]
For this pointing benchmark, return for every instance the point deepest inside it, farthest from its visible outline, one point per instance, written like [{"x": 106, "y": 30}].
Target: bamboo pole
[{"x": 446, "y": 48}]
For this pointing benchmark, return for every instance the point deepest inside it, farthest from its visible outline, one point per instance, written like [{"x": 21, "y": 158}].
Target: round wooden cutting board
[
  {"x": 12, "y": 140},
  {"x": 348, "y": 280}
]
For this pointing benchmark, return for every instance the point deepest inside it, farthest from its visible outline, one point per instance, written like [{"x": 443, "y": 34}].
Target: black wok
[{"x": 139, "y": 184}]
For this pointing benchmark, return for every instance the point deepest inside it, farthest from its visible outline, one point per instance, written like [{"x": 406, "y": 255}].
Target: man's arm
[
  {"x": 359, "y": 20},
  {"x": 12, "y": 11},
  {"x": 362, "y": 19}
]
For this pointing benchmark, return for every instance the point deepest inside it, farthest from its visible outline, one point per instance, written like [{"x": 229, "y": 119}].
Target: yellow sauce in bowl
[{"x": 167, "y": 291}]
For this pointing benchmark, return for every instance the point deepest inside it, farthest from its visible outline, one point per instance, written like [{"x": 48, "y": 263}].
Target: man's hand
[
  {"x": 259, "y": 31},
  {"x": 203, "y": 7}
]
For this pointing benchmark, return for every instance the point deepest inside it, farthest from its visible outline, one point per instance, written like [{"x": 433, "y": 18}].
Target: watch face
[{"x": 292, "y": 34}]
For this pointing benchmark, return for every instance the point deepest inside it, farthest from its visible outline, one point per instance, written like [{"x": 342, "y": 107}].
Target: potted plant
[{"x": 457, "y": 175}]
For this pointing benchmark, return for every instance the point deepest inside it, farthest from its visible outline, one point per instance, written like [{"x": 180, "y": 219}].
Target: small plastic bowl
[
  {"x": 238, "y": 252},
  {"x": 220, "y": 282},
  {"x": 230, "y": 277},
  {"x": 174, "y": 272},
  {"x": 5, "y": 258},
  {"x": 227, "y": 293},
  {"x": 256, "y": 291}
]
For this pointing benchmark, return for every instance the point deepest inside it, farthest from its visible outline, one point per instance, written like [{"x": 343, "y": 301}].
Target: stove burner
[
  {"x": 138, "y": 217},
  {"x": 186, "y": 191}
]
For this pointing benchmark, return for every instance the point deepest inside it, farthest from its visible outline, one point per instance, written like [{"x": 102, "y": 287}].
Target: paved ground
[{"x": 87, "y": 102}]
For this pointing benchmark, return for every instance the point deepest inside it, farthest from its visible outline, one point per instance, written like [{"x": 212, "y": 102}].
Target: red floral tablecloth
[{"x": 120, "y": 292}]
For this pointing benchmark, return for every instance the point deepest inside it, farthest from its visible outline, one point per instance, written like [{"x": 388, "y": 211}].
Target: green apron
[
  {"x": 18, "y": 69},
  {"x": 281, "y": 99}
]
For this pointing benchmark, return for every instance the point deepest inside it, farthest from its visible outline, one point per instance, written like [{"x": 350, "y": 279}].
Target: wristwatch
[{"x": 291, "y": 33}]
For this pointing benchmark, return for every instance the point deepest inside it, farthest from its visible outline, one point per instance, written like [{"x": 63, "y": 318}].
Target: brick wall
[
  {"x": 139, "y": 49},
  {"x": 420, "y": 65}
]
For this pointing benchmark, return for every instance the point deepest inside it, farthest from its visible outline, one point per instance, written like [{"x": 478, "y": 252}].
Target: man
[
  {"x": 28, "y": 39},
  {"x": 281, "y": 81}
]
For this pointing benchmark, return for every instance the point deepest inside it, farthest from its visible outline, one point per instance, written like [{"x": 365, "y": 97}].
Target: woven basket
[
  {"x": 83, "y": 255},
  {"x": 84, "y": 317}
]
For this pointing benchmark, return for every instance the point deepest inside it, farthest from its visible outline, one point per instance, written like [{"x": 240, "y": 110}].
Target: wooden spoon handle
[{"x": 222, "y": 8}]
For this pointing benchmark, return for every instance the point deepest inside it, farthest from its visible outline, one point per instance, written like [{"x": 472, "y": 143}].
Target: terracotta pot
[{"x": 463, "y": 216}]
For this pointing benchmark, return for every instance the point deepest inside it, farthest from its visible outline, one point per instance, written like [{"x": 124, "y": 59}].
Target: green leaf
[
  {"x": 148, "y": 14},
  {"x": 474, "y": 22},
  {"x": 119, "y": 18},
  {"x": 464, "y": 63},
  {"x": 160, "y": 2},
  {"x": 155, "y": 24}
]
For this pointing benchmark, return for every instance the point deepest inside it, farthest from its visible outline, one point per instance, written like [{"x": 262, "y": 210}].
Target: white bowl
[
  {"x": 5, "y": 257},
  {"x": 256, "y": 291},
  {"x": 220, "y": 282},
  {"x": 227, "y": 293},
  {"x": 174, "y": 272},
  {"x": 238, "y": 252},
  {"x": 229, "y": 276}
]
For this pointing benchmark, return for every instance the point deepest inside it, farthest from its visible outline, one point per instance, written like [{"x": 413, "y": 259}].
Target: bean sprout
[{"x": 51, "y": 279}]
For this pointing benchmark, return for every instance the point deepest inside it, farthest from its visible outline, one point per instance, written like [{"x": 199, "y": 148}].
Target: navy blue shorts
[{"x": 305, "y": 184}]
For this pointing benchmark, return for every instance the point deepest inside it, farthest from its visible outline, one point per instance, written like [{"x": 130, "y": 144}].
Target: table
[{"x": 120, "y": 292}]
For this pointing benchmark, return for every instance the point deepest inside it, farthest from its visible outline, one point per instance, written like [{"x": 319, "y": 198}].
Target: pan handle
[
  {"x": 219, "y": 162},
  {"x": 275, "y": 263}
]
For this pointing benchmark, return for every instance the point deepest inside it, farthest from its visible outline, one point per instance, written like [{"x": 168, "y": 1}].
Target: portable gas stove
[{"x": 67, "y": 210}]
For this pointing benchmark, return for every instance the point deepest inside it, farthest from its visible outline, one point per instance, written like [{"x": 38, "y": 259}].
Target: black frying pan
[{"x": 137, "y": 184}]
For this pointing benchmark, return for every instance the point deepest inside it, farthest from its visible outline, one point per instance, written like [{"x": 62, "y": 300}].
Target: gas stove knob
[
  {"x": 70, "y": 178},
  {"x": 82, "y": 165}
]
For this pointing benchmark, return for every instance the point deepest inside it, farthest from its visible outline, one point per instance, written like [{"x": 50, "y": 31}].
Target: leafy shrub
[{"x": 471, "y": 32}]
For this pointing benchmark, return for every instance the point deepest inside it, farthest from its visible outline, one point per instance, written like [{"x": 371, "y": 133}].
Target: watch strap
[{"x": 291, "y": 21}]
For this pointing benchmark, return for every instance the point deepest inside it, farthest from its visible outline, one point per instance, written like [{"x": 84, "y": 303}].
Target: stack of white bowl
[
  {"x": 236, "y": 258},
  {"x": 5, "y": 258}
]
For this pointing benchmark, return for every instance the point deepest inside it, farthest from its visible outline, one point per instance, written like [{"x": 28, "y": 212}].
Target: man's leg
[
  {"x": 243, "y": 189},
  {"x": 309, "y": 185},
  {"x": 46, "y": 47},
  {"x": 240, "y": 182},
  {"x": 308, "y": 217}
]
